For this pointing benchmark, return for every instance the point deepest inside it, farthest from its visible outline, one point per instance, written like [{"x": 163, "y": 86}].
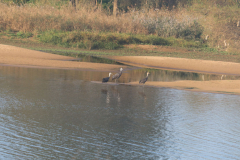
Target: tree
[
  {"x": 73, "y": 3},
  {"x": 115, "y": 6}
]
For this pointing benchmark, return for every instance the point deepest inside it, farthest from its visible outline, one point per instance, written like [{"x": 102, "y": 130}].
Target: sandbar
[
  {"x": 16, "y": 56},
  {"x": 213, "y": 86}
]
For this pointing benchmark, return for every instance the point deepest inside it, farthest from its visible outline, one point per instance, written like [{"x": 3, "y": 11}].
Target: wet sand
[
  {"x": 15, "y": 56},
  {"x": 213, "y": 86}
]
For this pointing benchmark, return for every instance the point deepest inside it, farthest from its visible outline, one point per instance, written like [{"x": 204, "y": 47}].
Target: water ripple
[{"x": 59, "y": 117}]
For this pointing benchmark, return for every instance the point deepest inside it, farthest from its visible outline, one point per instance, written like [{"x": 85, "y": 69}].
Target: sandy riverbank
[
  {"x": 214, "y": 86},
  {"x": 181, "y": 64},
  {"x": 15, "y": 56}
]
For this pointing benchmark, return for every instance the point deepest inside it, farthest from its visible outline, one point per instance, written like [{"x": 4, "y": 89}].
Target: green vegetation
[
  {"x": 209, "y": 27},
  {"x": 193, "y": 53},
  {"x": 93, "y": 40}
]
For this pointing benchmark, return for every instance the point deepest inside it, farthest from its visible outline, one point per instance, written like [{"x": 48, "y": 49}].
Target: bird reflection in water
[
  {"x": 110, "y": 93},
  {"x": 143, "y": 95},
  {"x": 116, "y": 93},
  {"x": 108, "y": 98},
  {"x": 104, "y": 91}
]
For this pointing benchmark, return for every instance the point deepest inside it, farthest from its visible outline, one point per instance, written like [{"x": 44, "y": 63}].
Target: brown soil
[{"x": 15, "y": 56}]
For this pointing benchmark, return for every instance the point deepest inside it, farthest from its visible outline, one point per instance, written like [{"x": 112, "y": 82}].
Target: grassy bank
[
  {"x": 101, "y": 40},
  {"x": 127, "y": 50},
  {"x": 91, "y": 28}
]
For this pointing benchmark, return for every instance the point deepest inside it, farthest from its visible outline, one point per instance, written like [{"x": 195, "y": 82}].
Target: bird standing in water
[
  {"x": 106, "y": 79},
  {"x": 117, "y": 75},
  {"x": 144, "y": 79}
]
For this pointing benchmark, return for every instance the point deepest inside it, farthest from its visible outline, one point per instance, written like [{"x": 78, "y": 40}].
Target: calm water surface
[{"x": 58, "y": 114}]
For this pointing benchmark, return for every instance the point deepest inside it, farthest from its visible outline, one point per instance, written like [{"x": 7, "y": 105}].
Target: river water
[{"x": 61, "y": 114}]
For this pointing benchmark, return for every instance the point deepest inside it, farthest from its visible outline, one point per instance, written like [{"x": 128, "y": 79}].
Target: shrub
[
  {"x": 192, "y": 32},
  {"x": 24, "y": 35}
]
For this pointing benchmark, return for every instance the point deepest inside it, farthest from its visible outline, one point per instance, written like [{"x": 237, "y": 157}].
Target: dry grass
[
  {"x": 218, "y": 22},
  {"x": 30, "y": 18}
]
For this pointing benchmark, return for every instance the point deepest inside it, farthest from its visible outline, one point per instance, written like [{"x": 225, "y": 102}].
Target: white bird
[
  {"x": 223, "y": 76},
  {"x": 225, "y": 43}
]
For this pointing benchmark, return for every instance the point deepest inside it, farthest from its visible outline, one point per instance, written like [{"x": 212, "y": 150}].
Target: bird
[
  {"x": 223, "y": 76},
  {"x": 144, "y": 79},
  {"x": 206, "y": 38},
  {"x": 117, "y": 75},
  {"x": 106, "y": 79}
]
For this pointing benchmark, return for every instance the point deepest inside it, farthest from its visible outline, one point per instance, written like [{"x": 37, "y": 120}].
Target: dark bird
[
  {"x": 117, "y": 75},
  {"x": 106, "y": 79},
  {"x": 144, "y": 79}
]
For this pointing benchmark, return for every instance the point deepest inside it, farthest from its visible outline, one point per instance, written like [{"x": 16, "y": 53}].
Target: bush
[
  {"x": 51, "y": 37},
  {"x": 67, "y": 26},
  {"x": 191, "y": 33},
  {"x": 24, "y": 35},
  {"x": 170, "y": 26}
]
